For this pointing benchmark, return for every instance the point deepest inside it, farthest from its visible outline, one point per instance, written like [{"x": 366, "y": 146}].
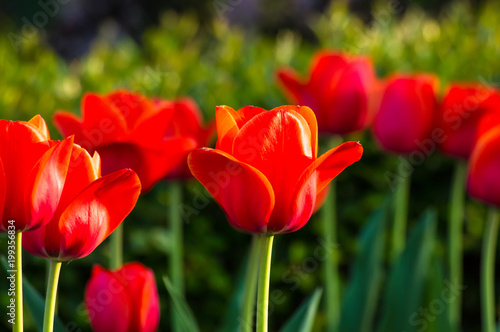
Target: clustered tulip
[
  {"x": 128, "y": 131},
  {"x": 265, "y": 172},
  {"x": 462, "y": 109},
  {"x": 125, "y": 300},
  {"x": 90, "y": 209},
  {"x": 406, "y": 113},
  {"x": 341, "y": 90}
]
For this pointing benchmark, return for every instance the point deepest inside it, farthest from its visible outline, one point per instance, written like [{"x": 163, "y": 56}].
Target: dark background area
[{"x": 74, "y": 23}]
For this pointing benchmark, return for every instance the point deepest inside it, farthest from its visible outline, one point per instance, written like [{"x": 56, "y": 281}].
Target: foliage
[{"x": 225, "y": 65}]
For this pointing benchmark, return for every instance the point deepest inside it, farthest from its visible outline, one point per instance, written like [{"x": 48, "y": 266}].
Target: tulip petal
[
  {"x": 141, "y": 287},
  {"x": 133, "y": 107},
  {"x": 68, "y": 124},
  {"x": 310, "y": 118},
  {"x": 483, "y": 175},
  {"x": 292, "y": 85},
  {"x": 108, "y": 304},
  {"x": 40, "y": 125},
  {"x": 241, "y": 190},
  {"x": 96, "y": 212},
  {"x": 88, "y": 219},
  {"x": 22, "y": 144},
  {"x": 318, "y": 175},
  {"x": 153, "y": 128},
  {"x": 47, "y": 179},
  {"x": 3, "y": 192},
  {"x": 229, "y": 122},
  {"x": 277, "y": 143},
  {"x": 102, "y": 122},
  {"x": 151, "y": 163}
]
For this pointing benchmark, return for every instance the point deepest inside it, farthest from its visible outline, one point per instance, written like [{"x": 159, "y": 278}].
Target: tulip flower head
[
  {"x": 460, "y": 113},
  {"x": 128, "y": 131},
  {"x": 340, "y": 89},
  {"x": 186, "y": 121},
  {"x": 406, "y": 114},
  {"x": 265, "y": 172},
  {"x": 125, "y": 300},
  {"x": 32, "y": 173},
  {"x": 90, "y": 208},
  {"x": 484, "y": 166}
]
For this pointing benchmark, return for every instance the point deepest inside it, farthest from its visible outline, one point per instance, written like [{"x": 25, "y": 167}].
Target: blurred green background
[{"x": 203, "y": 51}]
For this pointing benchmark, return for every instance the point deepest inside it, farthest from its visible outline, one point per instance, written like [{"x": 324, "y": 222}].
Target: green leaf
[
  {"x": 35, "y": 303},
  {"x": 436, "y": 302},
  {"x": 407, "y": 279},
  {"x": 360, "y": 300},
  {"x": 303, "y": 318},
  {"x": 231, "y": 322},
  {"x": 187, "y": 320}
]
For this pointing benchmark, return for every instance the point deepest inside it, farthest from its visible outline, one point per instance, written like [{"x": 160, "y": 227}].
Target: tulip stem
[
  {"x": 247, "y": 314},
  {"x": 116, "y": 255},
  {"x": 176, "y": 254},
  {"x": 18, "y": 297},
  {"x": 400, "y": 216},
  {"x": 266, "y": 249},
  {"x": 455, "y": 224},
  {"x": 330, "y": 267},
  {"x": 488, "y": 271},
  {"x": 50, "y": 298}
]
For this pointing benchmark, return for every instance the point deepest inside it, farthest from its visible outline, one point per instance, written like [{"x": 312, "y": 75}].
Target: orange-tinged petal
[
  {"x": 229, "y": 122},
  {"x": 47, "y": 179},
  {"x": 102, "y": 121},
  {"x": 40, "y": 124},
  {"x": 133, "y": 107},
  {"x": 68, "y": 124},
  {"x": 310, "y": 118},
  {"x": 227, "y": 127},
  {"x": 241, "y": 190},
  {"x": 277, "y": 143},
  {"x": 152, "y": 130}
]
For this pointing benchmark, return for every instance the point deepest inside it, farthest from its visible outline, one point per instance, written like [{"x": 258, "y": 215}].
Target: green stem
[
  {"x": 116, "y": 255},
  {"x": 488, "y": 271},
  {"x": 400, "y": 216},
  {"x": 50, "y": 298},
  {"x": 332, "y": 289},
  {"x": 18, "y": 297},
  {"x": 176, "y": 254},
  {"x": 249, "y": 293},
  {"x": 266, "y": 248},
  {"x": 455, "y": 225}
]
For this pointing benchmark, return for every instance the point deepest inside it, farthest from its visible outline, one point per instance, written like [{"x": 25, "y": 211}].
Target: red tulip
[
  {"x": 460, "y": 113},
  {"x": 340, "y": 90},
  {"x": 406, "y": 114},
  {"x": 90, "y": 209},
  {"x": 125, "y": 300},
  {"x": 32, "y": 173},
  {"x": 187, "y": 121},
  {"x": 265, "y": 173},
  {"x": 484, "y": 166},
  {"x": 128, "y": 132}
]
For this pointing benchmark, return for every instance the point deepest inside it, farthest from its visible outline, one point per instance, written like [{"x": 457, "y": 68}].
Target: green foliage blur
[{"x": 226, "y": 65}]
